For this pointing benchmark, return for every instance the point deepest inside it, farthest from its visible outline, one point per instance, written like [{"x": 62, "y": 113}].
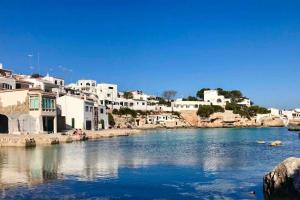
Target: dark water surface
[{"x": 169, "y": 164}]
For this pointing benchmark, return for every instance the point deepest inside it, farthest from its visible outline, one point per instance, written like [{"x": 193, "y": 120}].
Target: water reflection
[
  {"x": 209, "y": 151},
  {"x": 28, "y": 167}
]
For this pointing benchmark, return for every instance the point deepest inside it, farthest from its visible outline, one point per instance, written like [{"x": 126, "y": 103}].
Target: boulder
[
  {"x": 260, "y": 142},
  {"x": 283, "y": 182},
  {"x": 276, "y": 143}
]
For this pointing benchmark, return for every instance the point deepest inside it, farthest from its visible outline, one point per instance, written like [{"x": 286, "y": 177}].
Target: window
[
  {"x": 111, "y": 88},
  {"x": 55, "y": 82},
  {"x": 48, "y": 104},
  {"x": 6, "y": 86},
  {"x": 86, "y": 109},
  {"x": 108, "y": 95},
  {"x": 34, "y": 103},
  {"x": 131, "y": 104},
  {"x": 91, "y": 109},
  {"x": 61, "y": 83},
  {"x": 101, "y": 111},
  {"x": 88, "y": 84}
]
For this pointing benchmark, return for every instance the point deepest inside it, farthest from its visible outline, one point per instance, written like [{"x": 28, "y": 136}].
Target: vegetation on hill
[
  {"x": 244, "y": 111},
  {"x": 205, "y": 111},
  {"x": 162, "y": 101},
  {"x": 190, "y": 98},
  {"x": 125, "y": 111},
  {"x": 111, "y": 120},
  {"x": 200, "y": 93}
]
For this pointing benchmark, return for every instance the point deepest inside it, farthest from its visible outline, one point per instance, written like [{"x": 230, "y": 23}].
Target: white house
[
  {"x": 7, "y": 82},
  {"x": 180, "y": 105},
  {"x": 82, "y": 113},
  {"x": 213, "y": 97},
  {"x": 27, "y": 111},
  {"x": 107, "y": 93},
  {"x": 40, "y": 83},
  {"x": 161, "y": 119},
  {"x": 140, "y": 95},
  {"x": 245, "y": 102},
  {"x": 55, "y": 80}
]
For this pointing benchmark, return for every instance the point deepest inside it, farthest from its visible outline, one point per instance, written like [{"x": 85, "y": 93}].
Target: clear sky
[{"x": 251, "y": 45}]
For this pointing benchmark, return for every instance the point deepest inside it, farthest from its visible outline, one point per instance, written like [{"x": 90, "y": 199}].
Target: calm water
[{"x": 169, "y": 164}]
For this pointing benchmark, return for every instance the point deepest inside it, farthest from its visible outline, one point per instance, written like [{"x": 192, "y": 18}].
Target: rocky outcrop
[
  {"x": 284, "y": 181},
  {"x": 218, "y": 120},
  {"x": 272, "y": 122},
  {"x": 294, "y": 125}
]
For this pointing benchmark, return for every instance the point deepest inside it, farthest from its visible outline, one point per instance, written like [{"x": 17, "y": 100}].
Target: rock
[
  {"x": 272, "y": 122},
  {"x": 284, "y": 181},
  {"x": 276, "y": 143},
  {"x": 260, "y": 142}
]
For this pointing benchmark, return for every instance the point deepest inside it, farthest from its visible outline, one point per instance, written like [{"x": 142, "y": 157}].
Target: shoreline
[{"x": 33, "y": 140}]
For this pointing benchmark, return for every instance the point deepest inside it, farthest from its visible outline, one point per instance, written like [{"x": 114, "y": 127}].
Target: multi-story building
[
  {"x": 27, "y": 111},
  {"x": 81, "y": 112},
  {"x": 213, "y": 97},
  {"x": 107, "y": 93}
]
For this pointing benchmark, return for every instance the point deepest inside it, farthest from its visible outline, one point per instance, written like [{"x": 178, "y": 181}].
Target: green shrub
[
  {"x": 190, "y": 98},
  {"x": 125, "y": 111},
  {"x": 206, "y": 110},
  {"x": 244, "y": 111},
  {"x": 111, "y": 120}
]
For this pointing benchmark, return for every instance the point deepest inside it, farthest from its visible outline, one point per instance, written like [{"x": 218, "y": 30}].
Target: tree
[
  {"x": 128, "y": 95},
  {"x": 169, "y": 94},
  {"x": 162, "y": 101},
  {"x": 244, "y": 111},
  {"x": 190, "y": 98},
  {"x": 200, "y": 93},
  {"x": 111, "y": 120},
  {"x": 206, "y": 110}
]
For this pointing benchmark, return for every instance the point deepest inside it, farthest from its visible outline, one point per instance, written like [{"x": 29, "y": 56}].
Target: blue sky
[{"x": 156, "y": 45}]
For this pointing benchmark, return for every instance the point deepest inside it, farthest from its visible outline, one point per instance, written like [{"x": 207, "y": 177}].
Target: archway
[{"x": 3, "y": 124}]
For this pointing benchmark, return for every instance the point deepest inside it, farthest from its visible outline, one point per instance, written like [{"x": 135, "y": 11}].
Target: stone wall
[{"x": 19, "y": 108}]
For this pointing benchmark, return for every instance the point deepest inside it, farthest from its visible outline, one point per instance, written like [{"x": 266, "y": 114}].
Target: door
[
  {"x": 88, "y": 125},
  {"x": 48, "y": 124},
  {"x": 73, "y": 122},
  {"x": 3, "y": 124}
]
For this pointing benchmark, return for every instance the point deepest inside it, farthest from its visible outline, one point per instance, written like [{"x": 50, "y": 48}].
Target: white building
[
  {"x": 7, "y": 82},
  {"x": 245, "y": 102},
  {"x": 60, "y": 82},
  {"x": 163, "y": 119},
  {"x": 180, "y": 105},
  {"x": 27, "y": 111},
  {"x": 107, "y": 93},
  {"x": 82, "y": 113},
  {"x": 213, "y": 97},
  {"x": 41, "y": 83}
]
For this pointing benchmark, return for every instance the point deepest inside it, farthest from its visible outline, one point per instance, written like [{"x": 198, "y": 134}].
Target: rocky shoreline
[{"x": 33, "y": 140}]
